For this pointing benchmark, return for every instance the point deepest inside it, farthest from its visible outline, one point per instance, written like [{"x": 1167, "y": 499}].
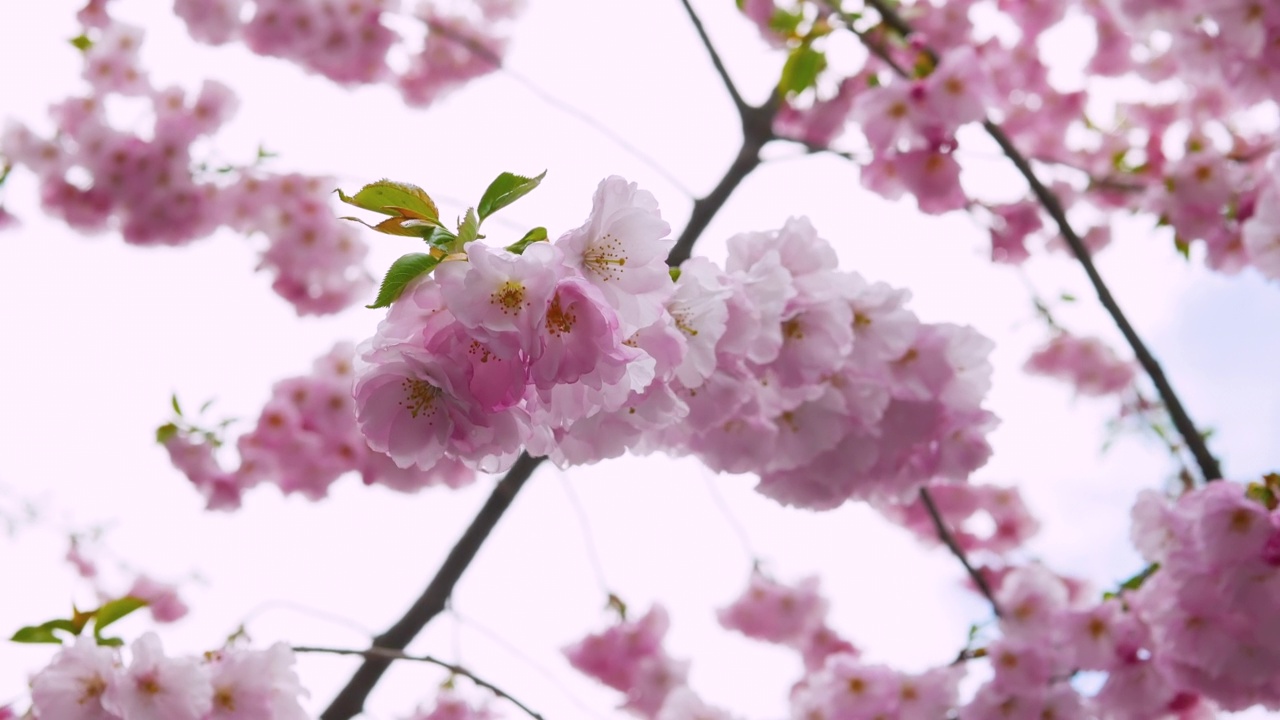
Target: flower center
[
  {"x": 606, "y": 258},
  {"x": 508, "y": 297},
  {"x": 419, "y": 396},
  {"x": 559, "y": 320}
]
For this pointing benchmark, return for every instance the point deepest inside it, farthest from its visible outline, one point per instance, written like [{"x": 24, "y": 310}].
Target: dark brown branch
[
  {"x": 1191, "y": 436},
  {"x": 742, "y": 105},
  {"x": 350, "y": 700},
  {"x": 388, "y": 654},
  {"x": 757, "y": 131},
  {"x": 944, "y": 534},
  {"x": 1194, "y": 440}
]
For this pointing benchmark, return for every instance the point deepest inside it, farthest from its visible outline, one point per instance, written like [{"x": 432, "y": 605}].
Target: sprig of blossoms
[
  {"x": 86, "y": 681},
  {"x": 1190, "y": 152},
  {"x": 584, "y": 348},
  {"x": 147, "y": 185},
  {"x": 305, "y": 439},
  {"x": 349, "y": 41}
]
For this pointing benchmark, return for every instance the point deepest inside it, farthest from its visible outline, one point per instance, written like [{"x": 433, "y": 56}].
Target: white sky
[{"x": 96, "y": 335}]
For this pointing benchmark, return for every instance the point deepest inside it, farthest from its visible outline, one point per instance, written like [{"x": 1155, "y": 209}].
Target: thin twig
[
  {"x": 493, "y": 637},
  {"x": 742, "y": 105},
  {"x": 390, "y": 654},
  {"x": 730, "y": 519},
  {"x": 584, "y": 526},
  {"x": 1194, "y": 440},
  {"x": 563, "y": 106},
  {"x": 944, "y": 534}
]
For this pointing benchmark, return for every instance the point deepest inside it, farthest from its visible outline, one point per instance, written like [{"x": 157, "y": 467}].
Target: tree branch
[
  {"x": 1191, "y": 436},
  {"x": 742, "y": 105},
  {"x": 944, "y": 534},
  {"x": 389, "y": 654},
  {"x": 757, "y": 130},
  {"x": 350, "y": 700}
]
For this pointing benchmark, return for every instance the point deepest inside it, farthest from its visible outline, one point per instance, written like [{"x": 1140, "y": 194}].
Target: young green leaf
[
  {"x": 801, "y": 70},
  {"x": 36, "y": 634},
  {"x": 166, "y": 432},
  {"x": 538, "y": 234},
  {"x": 506, "y": 189},
  {"x": 402, "y": 272},
  {"x": 468, "y": 229},
  {"x": 173, "y": 400},
  {"x": 403, "y": 226},
  {"x": 395, "y": 199},
  {"x": 115, "y": 610}
]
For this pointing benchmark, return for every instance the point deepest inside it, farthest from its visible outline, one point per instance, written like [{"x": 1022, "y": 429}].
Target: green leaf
[
  {"x": 786, "y": 23},
  {"x": 1067, "y": 297},
  {"x": 115, "y": 610},
  {"x": 404, "y": 226},
  {"x": 468, "y": 229},
  {"x": 402, "y": 272},
  {"x": 36, "y": 634},
  {"x": 1183, "y": 247},
  {"x": 68, "y": 625},
  {"x": 166, "y": 432},
  {"x": 173, "y": 400},
  {"x": 538, "y": 234},
  {"x": 395, "y": 199},
  {"x": 504, "y": 190},
  {"x": 109, "y": 642},
  {"x": 81, "y": 42},
  {"x": 1261, "y": 494},
  {"x": 1136, "y": 581},
  {"x": 801, "y": 70}
]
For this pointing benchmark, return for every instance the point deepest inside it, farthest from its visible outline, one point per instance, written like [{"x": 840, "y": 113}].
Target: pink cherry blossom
[
  {"x": 155, "y": 687},
  {"x": 73, "y": 686},
  {"x": 622, "y": 249},
  {"x": 162, "y": 599}
]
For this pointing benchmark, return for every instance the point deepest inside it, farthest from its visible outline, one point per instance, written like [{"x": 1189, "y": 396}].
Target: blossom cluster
[
  {"x": 1209, "y": 610},
  {"x": 1194, "y": 155},
  {"x": 584, "y": 348},
  {"x": 86, "y": 681},
  {"x": 146, "y": 184},
  {"x": 349, "y": 41},
  {"x": 629, "y": 658},
  {"x": 958, "y": 504},
  {"x": 1084, "y": 362},
  {"x": 305, "y": 439}
]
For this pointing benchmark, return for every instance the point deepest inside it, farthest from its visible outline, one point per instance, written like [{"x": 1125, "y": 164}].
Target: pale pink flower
[
  {"x": 255, "y": 685},
  {"x": 501, "y": 296},
  {"x": 73, "y": 685},
  {"x": 774, "y": 612},
  {"x": 699, "y": 312},
  {"x": 155, "y": 687},
  {"x": 162, "y": 599},
  {"x": 622, "y": 249},
  {"x": 579, "y": 339}
]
